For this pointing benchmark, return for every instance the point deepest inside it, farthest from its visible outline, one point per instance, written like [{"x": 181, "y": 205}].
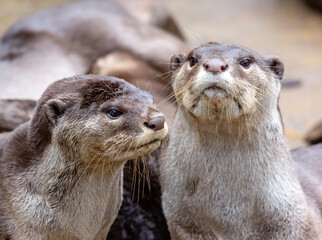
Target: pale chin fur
[
  {"x": 146, "y": 142},
  {"x": 214, "y": 102}
]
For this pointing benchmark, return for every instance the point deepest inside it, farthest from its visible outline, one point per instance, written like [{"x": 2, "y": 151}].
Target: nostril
[
  {"x": 155, "y": 123},
  {"x": 206, "y": 66},
  {"x": 224, "y": 67},
  {"x": 146, "y": 124}
]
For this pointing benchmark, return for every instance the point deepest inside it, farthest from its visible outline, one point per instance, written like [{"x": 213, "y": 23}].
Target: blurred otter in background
[
  {"x": 13, "y": 112},
  {"x": 65, "y": 40}
]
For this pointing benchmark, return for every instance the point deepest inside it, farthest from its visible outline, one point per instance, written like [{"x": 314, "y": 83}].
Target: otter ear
[
  {"x": 276, "y": 66},
  {"x": 54, "y": 109},
  {"x": 176, "y": 61},
  {"x": 212, "y": 43}
]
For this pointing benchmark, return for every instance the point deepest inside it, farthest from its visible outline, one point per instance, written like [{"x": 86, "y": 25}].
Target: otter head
[
  {"x": 226, "y": 81},
  {"x": 98, "y": 118}
]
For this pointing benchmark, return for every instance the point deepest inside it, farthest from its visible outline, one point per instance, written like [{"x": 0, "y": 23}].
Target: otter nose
[
  {"x": 215, "y": 65},
  {"x": 156, "y": 122}
]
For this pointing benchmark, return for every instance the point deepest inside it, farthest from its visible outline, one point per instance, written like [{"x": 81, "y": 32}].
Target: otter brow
[{"x": 100, "y": 93}]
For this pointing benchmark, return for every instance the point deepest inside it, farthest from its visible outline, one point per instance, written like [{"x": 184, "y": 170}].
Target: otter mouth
[
  {"x": 214, "y": 91},
  {"x": 149, "y": 143},
  {"x": 214, "y": 87},
  {"x": 144, "y": 144}
]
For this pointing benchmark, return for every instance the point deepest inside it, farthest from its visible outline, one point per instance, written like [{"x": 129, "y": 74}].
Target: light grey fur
[{"x": 227, "y": 173}]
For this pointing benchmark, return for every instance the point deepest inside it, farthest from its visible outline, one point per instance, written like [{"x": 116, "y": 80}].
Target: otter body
[
  {"x": 61, "y": 173},
  {"x": 227, "y": 173}
]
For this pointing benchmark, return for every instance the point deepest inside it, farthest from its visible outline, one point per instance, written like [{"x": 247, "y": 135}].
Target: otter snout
[
  {"x": 155, "y": 122},
  {"x": 215, "y": 65}
]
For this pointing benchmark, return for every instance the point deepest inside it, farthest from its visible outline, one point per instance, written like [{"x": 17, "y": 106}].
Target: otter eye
[
  {"x": 192, "y": 61},
  {"x": 245, "y": 63},
  {"x": 114, "y": 114}
]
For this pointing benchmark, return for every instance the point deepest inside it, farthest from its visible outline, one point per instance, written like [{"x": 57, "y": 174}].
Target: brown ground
[{"x": 286, "y": 28}]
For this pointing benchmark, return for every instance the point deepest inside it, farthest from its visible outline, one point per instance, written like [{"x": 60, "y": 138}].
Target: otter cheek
[
  {"x": 248, "y": 100},
  {"x": 187, "y": 101}
]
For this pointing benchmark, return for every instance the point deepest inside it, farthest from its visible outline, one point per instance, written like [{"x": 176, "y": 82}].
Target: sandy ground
[{"x": 286, "y": 28}]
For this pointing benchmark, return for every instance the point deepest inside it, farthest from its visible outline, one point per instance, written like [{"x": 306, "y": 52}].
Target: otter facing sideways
[
  {"x": 227, "y": 173},
  {"x": 61, "y": 172}
]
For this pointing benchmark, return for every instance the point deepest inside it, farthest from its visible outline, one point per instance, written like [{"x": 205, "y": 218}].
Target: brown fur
[
  {"x": 227, "y": 173},
  {"x": 61, "y": 173}
]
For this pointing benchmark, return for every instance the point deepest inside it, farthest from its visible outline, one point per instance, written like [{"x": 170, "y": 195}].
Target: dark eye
[
  {"x": 114, "y": 114},
  {"x": 192, "y": 61},
  {"x": 245, "y": 63}
]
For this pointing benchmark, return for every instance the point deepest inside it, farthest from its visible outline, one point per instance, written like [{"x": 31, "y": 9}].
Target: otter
[
  {"x": 61, "y": 172},
  {"x": 227, "y": 172},
  {"x": 65, "y": 40}
]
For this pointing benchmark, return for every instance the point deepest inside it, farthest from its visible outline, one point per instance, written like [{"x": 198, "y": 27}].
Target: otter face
[
  {"x": 226, "y": 81},
  {"x": 108, "y": 119}
]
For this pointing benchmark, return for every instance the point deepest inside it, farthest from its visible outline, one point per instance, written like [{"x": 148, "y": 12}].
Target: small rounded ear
[
  {"x": 212, "y": 43},
  {"x": 276, "y": 66},
  {"x": 54, "y": 109},
  {"x": 176, "y": 61}
]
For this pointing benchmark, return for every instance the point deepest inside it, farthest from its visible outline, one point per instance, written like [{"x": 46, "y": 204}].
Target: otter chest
[
  {"x": 223, "y": 200},
  {"x": 84, "y": 212},
  {"x": 95, "y": 206}
]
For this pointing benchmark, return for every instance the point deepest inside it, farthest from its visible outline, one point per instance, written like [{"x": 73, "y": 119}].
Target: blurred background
[{"x": 289, "y": 29}]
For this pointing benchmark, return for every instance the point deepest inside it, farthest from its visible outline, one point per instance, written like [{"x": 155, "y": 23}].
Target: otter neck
[
  {"x": 247, "y": 166},
  {"x": 262, "y": 143},
  {"x": 67, "y": 174},
  {"x": 248, "y": 127}
]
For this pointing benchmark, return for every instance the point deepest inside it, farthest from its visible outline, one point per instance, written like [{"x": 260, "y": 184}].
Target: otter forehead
[
  {"x": 94, "y": 89},
  {"x": 229, "y": 52},
  {"x": 113, "y": 89}
]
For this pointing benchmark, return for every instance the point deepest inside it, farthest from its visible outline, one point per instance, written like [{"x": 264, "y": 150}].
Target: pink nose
[
  {"x": 215, "y": 65},
  {"x": 156, "y": 122}
]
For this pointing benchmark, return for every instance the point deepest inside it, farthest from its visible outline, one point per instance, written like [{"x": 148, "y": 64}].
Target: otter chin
[
  {"x": 139, "y": 148},
  {"x": 61, "y": 174}
]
